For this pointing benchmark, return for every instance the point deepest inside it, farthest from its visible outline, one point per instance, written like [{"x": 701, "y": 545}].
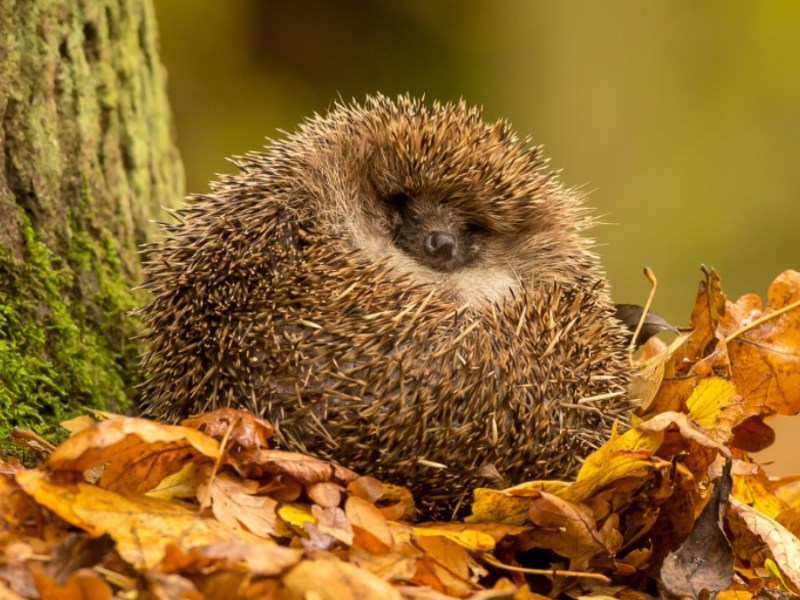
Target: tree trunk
[{"x": 88, "y": 159}]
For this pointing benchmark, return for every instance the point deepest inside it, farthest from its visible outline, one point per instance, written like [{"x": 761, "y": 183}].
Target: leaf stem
[{"x": 762, "y": 319}]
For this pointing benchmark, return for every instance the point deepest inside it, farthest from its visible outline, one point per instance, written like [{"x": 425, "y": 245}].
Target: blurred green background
[{"x": 682, "y": 119}]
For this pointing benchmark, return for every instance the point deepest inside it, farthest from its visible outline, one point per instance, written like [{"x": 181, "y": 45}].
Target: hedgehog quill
[{"x": 398, "y": 287}]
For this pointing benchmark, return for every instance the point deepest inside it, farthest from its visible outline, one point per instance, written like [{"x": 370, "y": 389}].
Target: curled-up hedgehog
[{"x": 403, "y": 289}]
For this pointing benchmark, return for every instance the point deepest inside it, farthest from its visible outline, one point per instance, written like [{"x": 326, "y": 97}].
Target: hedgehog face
[
  {"x": 425, "y": 236},
  {"x": 433, "y": 234},
  {"x": 446, "y": 200}
]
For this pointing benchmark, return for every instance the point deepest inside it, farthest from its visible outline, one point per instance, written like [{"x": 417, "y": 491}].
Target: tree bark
[{"x": 88, "y": 159}]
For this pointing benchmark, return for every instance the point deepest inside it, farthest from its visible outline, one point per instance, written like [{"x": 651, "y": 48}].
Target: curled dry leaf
[
  {"x": 368, "y": 488},
  {"x": 325, "y": 493},
  {"x": 333, "y": 522},
  {"x": 703, "y": 564},
  {"x": 335, "y": 580},
  {"x": 570, "y": 531},
  {"x": 756, "y": 349},
  {"x": 304, "y": 469},
  {"x": 247, "y": 431},
  {"x": 138, "y": 453},
  {"x": 234, "y": 503},
  {"x": 782, "y": 544},
  {"x": 680, "y": 435},
  {"x": 369, "y": 525},
  {"x": 260, "y": 559}
]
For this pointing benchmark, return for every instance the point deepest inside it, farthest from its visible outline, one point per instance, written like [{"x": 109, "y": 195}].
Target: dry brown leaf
[
  {"x": 767, "y": 357},
  {"x": 398, "y": 564},
  {"x": 369, "y": 525},
  {"x": 139, "y": 453},
  {"x": 335, "y": 580},
  {"x": 302, "y": 468},
  {"x": 445, "y": 566},
  {"x": 650, "y": 371},
  {"x": 681, "y": 436},
  {"x": 246, "y": 430},
  {"x": 234, "y": 503},
  {"x": 258, "y": 559},
  {"x": 570, "y": 530},
  {"x": 703, "y": 564},
  {"x": 84, "y": 584},
  {"x": 368, "y": 488},
  {"x": 326, "y": 493},
  {"x": 172, "y": 587},
  {"x": 333, "y": 522},
  {"x": 783, "y": 545}
]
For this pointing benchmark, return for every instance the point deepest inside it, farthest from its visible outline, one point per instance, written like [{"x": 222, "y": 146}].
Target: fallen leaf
[
  {"x": 263, "y": 559},
  {"x": 234, "y": 503},
  {"x": 782, "y": 544},
  {"x": 767, "y": 357},
  {"x": 84, "y": 584},
  {"x": 304, "y": 469},
  {"x": 703, "y": 565},
  {"x": 570, "y": 530},
  {"x": 246, "y": 430},
  {"x": 368, "y": 488},
  {"x": 369, "y": 525},
  {"x": 445, "y": 566},
  {"x": 335, "y": 580},
  {"x": 139, "y": 525},
  {"x": 138, "y": 453},
  {"x": 333, "y": 522},
  {"x": 325, "y": 493}
]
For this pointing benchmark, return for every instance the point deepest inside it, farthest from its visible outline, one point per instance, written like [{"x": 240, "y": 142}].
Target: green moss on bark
[
  {"x": 52, "y": 362},
  {"x": 88, "y": 160}
]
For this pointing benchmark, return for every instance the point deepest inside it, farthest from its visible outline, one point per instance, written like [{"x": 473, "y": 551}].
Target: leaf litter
[{"x": 672, "y": 507}]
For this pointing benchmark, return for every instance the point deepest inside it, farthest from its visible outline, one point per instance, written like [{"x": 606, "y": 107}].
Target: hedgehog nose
[{"x": 440, "y": 245}]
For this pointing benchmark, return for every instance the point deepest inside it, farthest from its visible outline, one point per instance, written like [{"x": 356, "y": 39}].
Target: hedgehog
[{"x": 400, "y": 288}]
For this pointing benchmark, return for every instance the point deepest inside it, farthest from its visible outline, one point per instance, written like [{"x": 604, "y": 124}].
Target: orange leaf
[
  {"x": 139, "y": 453},
  {"x": 336, "y": 580}
]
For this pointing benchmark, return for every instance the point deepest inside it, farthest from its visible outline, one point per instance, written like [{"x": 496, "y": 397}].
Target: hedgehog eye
[
  {"x": 476, "y": 229},
  {"x": 398, "y": 201}
]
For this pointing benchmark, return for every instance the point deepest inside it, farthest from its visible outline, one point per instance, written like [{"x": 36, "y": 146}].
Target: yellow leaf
[
  {"x": 754, "y": 490},
  {"x": 716, "y": 406},
  {"x": 295, "y": 514},
  {"x": 469, "y": 538}
]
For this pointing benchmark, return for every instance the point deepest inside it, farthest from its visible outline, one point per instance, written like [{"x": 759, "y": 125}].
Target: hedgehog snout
[{"x": 440, "y": 246}]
